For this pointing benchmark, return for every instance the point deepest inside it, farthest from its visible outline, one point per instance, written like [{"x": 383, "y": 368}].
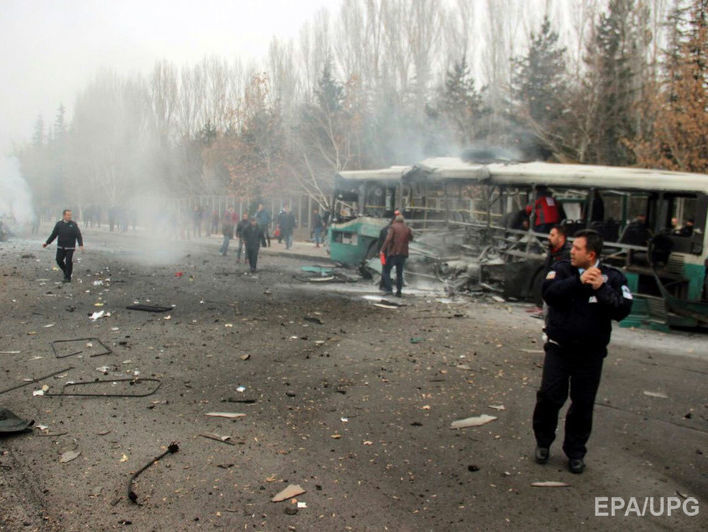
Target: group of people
[
  {"x": 583, "y": 296},
  {"x": 253, "y": 232}
]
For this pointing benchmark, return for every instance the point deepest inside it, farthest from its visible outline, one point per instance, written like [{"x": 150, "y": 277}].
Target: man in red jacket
[
  {"x": 546, "y": 211},
  {"x": 395, "y": 248}
]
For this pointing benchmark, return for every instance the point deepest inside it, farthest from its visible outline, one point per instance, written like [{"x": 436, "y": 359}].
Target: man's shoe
[
  {"x": 541, "y": 454},
  {"x": 398, "y": 294},
  {"x": 576, "y": 465},
  {"x": 66, "y": 280}
]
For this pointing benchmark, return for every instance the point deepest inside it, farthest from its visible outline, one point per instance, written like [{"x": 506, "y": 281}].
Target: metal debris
[
  {"x": 68, "y": 456},
  {"x": 171, "y": 449},
  {"x": 132, "y": 381},
  {"x": 550, "y": 484},
  {"x": 32, "y": 381},
  {"x": 227, "y": 415},
  {"x": 106, "y": 350},
  {"x": 475, "y": 421},
  {"x": 293, "y": 490}
]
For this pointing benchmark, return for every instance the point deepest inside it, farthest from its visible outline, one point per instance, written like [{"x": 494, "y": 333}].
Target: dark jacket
[
  {"x": 396, "y": 243},
  {"x": 251, "y": 235},
  {"x": 68, "y": 233},
  {"x": 579, "y": 316},
  {"x": 557, "y": 255},
  {"x": 240, "y": 226},
  {"x": 227, "y": 226},
  {"x": 287, "y": 223},
  {"x": 263, "y": 217}
]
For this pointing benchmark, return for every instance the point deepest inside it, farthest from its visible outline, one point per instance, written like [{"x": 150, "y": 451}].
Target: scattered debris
[
  {"x": 656, "y": 394},
  {"x": 171, "y": 449},
  {"x": 497, "y": 407},
  {"x": 98, "y": 315},
  {"x": 216, "y": 437},
  {"x": 416, "y": 340},
  {"x": 245, "y": 357},
  {"x": 314, "y": 319},
  {"x": 10, "y": 352},
  {"x": 10, "y": 422},
  {"x": 68, "y": 456},
  {"x": 227, "y": 415},
  {"x": 475, "y": 421},
  {"x": 293, "y": 490},
  {"x": 48, "y": 325},
  {"x": 111, "y": 383},
  {"x": 473, "y": 468},
  {"x": 242, "y": 401},
  {"x": 148, "y": 308},
  {"x": 106, "y": 350},
  {"x": 32, "y": 381},
  {"x": 550, "y": 484}
]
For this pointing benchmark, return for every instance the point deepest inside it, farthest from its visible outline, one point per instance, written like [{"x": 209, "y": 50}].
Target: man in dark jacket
[
  {"x": 240, "y": 226},
  {"x": 583, "y": 297},
  {"x": 263, "y": 218},
  {"x": 252, "y": 236},
  {"x": 395, "y": 248},
  {"x": 558, "y": 247},
  {"x": 68, "y": 233},
  {"x": 287, "y": 226}
]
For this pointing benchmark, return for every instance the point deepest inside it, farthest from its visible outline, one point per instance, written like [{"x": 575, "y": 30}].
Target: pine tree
[
  {"x": 540, "y": 89},
  {"x": 612, "y": 61},
  {"x": 460, "y": 103}
]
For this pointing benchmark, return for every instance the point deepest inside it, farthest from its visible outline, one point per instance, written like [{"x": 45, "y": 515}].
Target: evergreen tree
[
  {"x": 612, "y": 59},
  {"x": 540, "y": 89},
  {"x": 460, "y": 103}
]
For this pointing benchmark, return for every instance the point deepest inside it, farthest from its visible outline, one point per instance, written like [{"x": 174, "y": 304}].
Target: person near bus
[
  {"x": 264, "y": 218},
  {"x": 317, "y": 226},
  {"x": 227, "y": 229},
  {"x": 583, "y": 296},
  {"x": 546, "y": 211},
  {"x": 395, "y": 249},
  {"x": 558, "y": 247},
  {"x": 287, "y": 225},
  {"x": 252, "y": 236},
  {"x": 240, "y": 226}
]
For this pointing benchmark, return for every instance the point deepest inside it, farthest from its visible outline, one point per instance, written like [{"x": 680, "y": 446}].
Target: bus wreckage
[{"x": 473, "y": 230}]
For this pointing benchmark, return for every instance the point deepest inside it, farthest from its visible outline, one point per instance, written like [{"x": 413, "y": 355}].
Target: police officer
[
  {"x": 68, "y": 233},
  {"x": 583, "y": 296}
]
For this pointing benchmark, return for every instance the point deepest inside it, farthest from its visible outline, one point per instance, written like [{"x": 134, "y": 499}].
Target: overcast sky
[{"x": 50, "y": 48}]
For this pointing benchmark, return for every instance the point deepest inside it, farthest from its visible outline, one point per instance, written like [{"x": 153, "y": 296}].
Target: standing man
[
  {"x": 558, "y": 247},
  {"x": 546, "y": 211},
  {"x": 227, "y": 229},
  {"x": 287, "y": 226},
  {"x": 68, "y": 233},
  {"x": 395, "y": 248},
  {"x": 317, "y": 226},
  {"x": 240, "y": 226},
  {"x": 263, "y": 218},
  {"x": 252, "y": 236},
  {"x": 583, "y": 297}
]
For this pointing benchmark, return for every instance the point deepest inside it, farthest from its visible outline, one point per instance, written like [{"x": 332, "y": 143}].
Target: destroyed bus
[{"x": 472, "y": 231}]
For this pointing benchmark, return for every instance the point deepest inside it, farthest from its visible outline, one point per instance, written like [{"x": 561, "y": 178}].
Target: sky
[{"x": 50, "y": 49}]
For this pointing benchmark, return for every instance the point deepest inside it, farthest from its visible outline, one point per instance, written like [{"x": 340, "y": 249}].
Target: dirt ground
[{"x": 351, "y": 401}]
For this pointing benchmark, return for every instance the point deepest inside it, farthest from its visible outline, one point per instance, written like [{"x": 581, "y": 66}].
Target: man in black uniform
[
  {"x": 252, "y": 236},
  {"x": 558, "y": 247},
  {"x": 583, "y": 297},
  {"x": 68, "y": 233}
]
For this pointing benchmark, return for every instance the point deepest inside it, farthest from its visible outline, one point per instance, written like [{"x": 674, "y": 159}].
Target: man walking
[
  {"x": 252, "y": 236},
  {"x": 287, "y": 226},
  {"x": 395, "y": 249},
  {"x": 583, "y": 297},
  {"x": 68, "y": 233},
  {"x": 240, "y": 226},
  {"x": 263, "y": 218},
  {"x": 227, "y": 229}
]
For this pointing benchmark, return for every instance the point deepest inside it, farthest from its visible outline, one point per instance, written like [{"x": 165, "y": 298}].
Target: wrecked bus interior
[{"x": 474, "y": 233}]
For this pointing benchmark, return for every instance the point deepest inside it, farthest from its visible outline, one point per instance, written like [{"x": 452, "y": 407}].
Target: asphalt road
[{"x": 350, "y": 401}]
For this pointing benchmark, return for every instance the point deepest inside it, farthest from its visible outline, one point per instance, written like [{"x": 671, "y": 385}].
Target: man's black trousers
[
  {"x": 252, "y": 254},
  {"x": 65, "y": 262},
  {"x": 565, "y": 369}
]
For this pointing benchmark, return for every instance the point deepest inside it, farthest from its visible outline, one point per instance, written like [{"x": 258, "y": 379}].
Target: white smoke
[{"x": 15, "y": 197}]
